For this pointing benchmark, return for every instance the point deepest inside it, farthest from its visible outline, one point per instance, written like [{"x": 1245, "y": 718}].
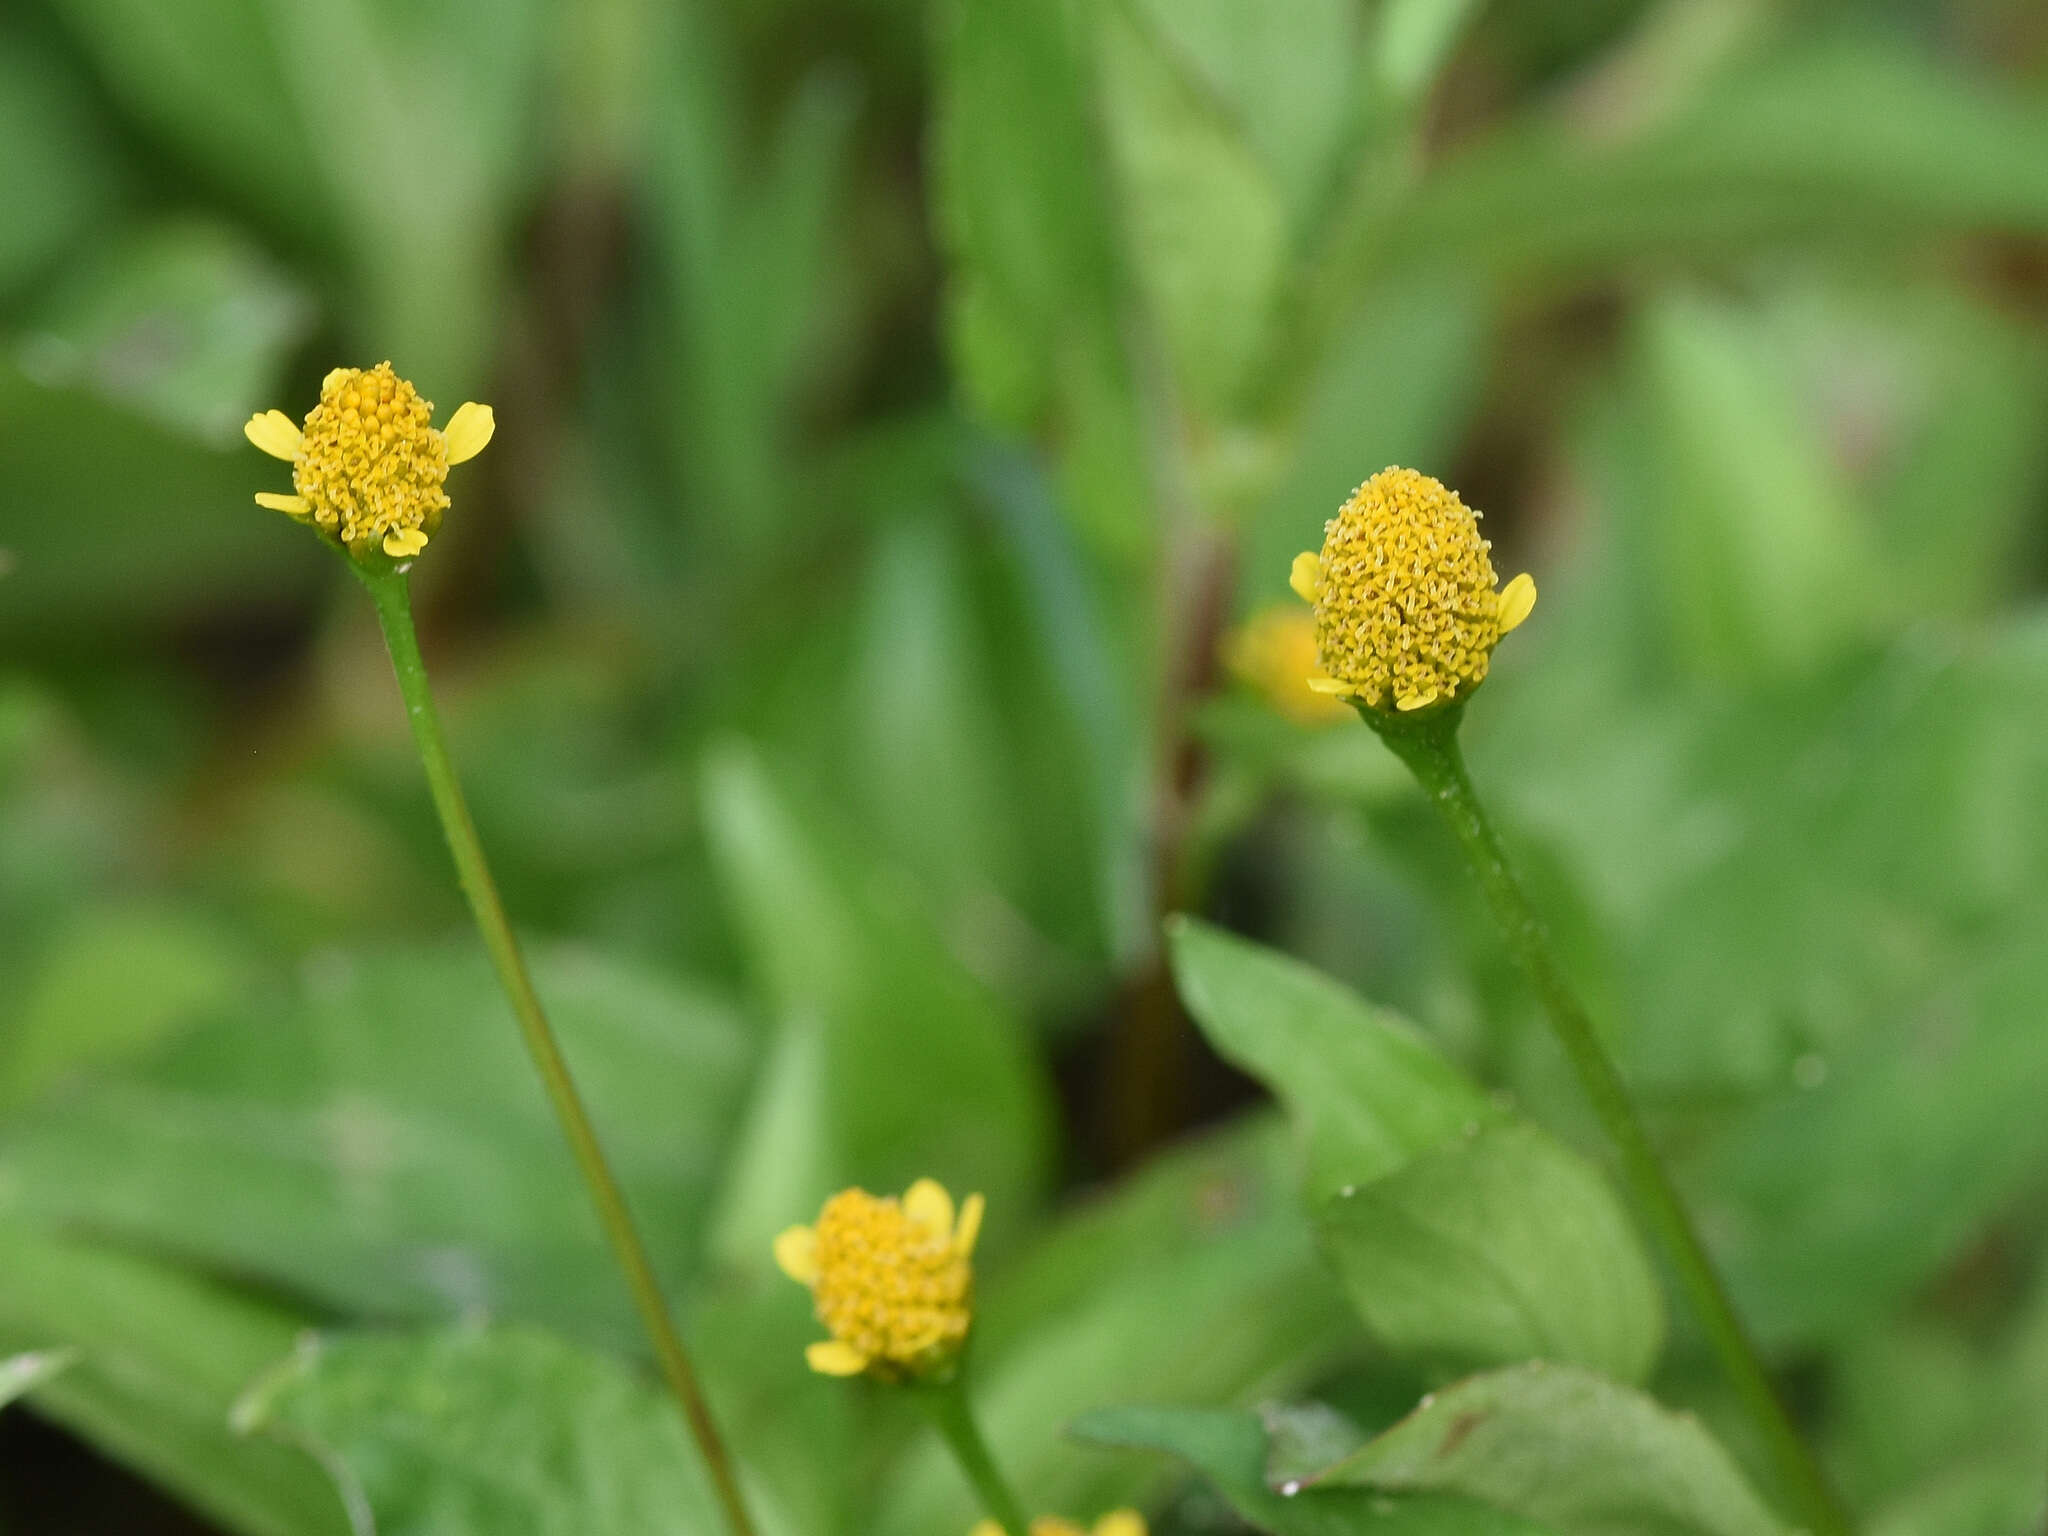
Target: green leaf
[
  {"x": 389, "y": 1147},
  {"x": 160, "y": 1357},
  {"x": 1229, "y": 1449},
  {"x": 1207, "y": 226},
  {"x": 1567, "y": 1448},
  {"x": 183, "y": 322},
  {"x": 113, "y": 982},
  {"x": 1367, "y": 1092},
  {"x": 1831, "y": 139},
  {"x": 893, "y": 1061},
  {"x": 1502, "y": 1245},
  {"x": 23, "y": 1373},
  {"x": 504, "y": 1430},
  {"x": 1763, "y": 564},
  {"x": 1193, "y": 1281}
]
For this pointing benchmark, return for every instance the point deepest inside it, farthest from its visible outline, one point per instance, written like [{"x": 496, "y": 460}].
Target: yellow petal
[
  {"x": 1306, "y": 576},
  {"x": 927, "y": 1203},
  {"x": 296, "y": 506},
  {"x": 970, "y": 1225},
  {"x": 1331, "y": 685},
  {"x": 986, "y": 1528},
  {"x": 1121, "y": 1522},
  {"x": 404, "y": 543},
  {"x": 796, "y": 1254},
  {"x": 1516, "y": 599},
  {"x": 275, "y": 433},
  {"x": 1409, "y": 701},
  {"x": 835, "y": 1357},
  {"x": 468, "y": 430}
]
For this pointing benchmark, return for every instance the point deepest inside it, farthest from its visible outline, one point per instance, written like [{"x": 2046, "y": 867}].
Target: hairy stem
[
  {"x": 394, "y": 612},
  {"x": 1429, "y": 746}
]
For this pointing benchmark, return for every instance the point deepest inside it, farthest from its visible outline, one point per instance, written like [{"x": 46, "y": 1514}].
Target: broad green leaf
[
  {"x": 1367, "y": 1092},
  {"x": 1503, "y": 1245},
  {"x": 183, "y": 322},
  {"x": 112, "y": 983},
  {"x": 1207, "y": 227},
  {"x": 389, "y": 1148},
  {"x": 25, "y": 1372},
  {"x": 1832, "y": 139},
  {"x": 1763, "y": 565},
  {"x": 1566, "y": 1448},
  {"x": 893, "y": 1061},
  {"x": 1229, "y": 1449},
  {"x": 505, "y": 1430},
  {"x": 1826, "y": 1203},
  {"x": 1034, "y": 299},
  {"x": 1194, "y": 1281},
  {"x": 160, "y": 1357},
  {"x": 1289, "y": 73}
]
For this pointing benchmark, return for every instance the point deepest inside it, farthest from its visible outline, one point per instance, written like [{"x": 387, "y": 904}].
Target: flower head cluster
[
  {"x": 367, "y": 468},
  {"x": 1118, "y": 1522},
  {"x": 893, "y": 1280},
  {"x": 1274, "y": 652},
  {"x": 1405, "y": 608}
]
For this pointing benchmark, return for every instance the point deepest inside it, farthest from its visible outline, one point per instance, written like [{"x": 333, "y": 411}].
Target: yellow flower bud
[
  {"x": 1274, "y": 651},
  {"x": 892, "y": 1280},
  {"x": 1405, "y": 607}
]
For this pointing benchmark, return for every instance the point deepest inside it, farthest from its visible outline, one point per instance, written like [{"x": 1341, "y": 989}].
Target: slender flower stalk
[
  {"x": 946, "y": 1403},
  {"x": 1407, "y": 618},
  {"x": 394, "y": 612},
  {"x": 367, "y": 473}
]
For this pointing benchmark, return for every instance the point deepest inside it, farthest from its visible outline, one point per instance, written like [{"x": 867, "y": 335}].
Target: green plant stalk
[
  {"x": 946, "y": 1402},
  {"x": 394, "y": 612},
  {"x": 1428, "y": 744}
]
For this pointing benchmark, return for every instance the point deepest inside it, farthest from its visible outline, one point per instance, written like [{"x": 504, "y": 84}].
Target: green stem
[
  {"x": 394, "y": 612},
  {"x": 947, "y": 1404},
  {"x": 1429, "y": 746}
]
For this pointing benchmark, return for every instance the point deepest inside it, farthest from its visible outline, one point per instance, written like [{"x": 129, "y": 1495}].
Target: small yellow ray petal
[
  {"x": 275, "y": 433},
  {"x": 796, "y": 1254},
  {"x": 1330, "y": 685},
  {"x": 1516, "y": 599},
  {"x": 1306, "y": 576},
  {"x": 403, "y": 543},
  {"x": 835, "y": 1357},
  {"x": 468, "y": 430},
  {"x": 1121, "y": 1522},
  {"x": 1409, "y": 701},
  {"x": 969, "y": 1229},
  {"x": 295, "y": 506},
  {"x": 927, "y": 1203}
]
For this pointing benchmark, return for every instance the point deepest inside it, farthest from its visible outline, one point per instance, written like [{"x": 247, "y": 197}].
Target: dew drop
[{"x": 1289, "y": 1488}]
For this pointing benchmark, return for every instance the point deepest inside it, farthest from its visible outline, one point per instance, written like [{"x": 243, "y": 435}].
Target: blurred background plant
[{"x": 899, "y": 407}]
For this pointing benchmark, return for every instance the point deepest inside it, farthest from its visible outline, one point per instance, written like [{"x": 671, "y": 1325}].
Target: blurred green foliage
[{"x": 898, "y": 402}]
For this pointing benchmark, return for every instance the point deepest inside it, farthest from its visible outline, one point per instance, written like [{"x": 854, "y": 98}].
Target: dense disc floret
[
  {"x": 1405, "y": 607},
  {"x": 892, "y": 1280},
  {"x": 368, "y": 466},
  {"x": 371, "y": 464}
]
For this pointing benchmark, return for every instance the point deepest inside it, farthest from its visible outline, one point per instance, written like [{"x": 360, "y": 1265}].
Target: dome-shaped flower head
[
  {"x": 1406, "y": 611},
  {"x": 1118, "y": 1522},
  {"x": 893, "y": 1280},
  {"x": 367, "y": 467}
]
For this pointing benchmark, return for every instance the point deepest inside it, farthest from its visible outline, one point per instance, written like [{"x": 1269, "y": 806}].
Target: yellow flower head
[
  {"x": 1274, "y": 651},
  {"x": 1118, "y": 1522},
  {"x": 892, "y": 1279},
  {"x": 368, "y": 466},
  {"x": 1406, "y": 613}
]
